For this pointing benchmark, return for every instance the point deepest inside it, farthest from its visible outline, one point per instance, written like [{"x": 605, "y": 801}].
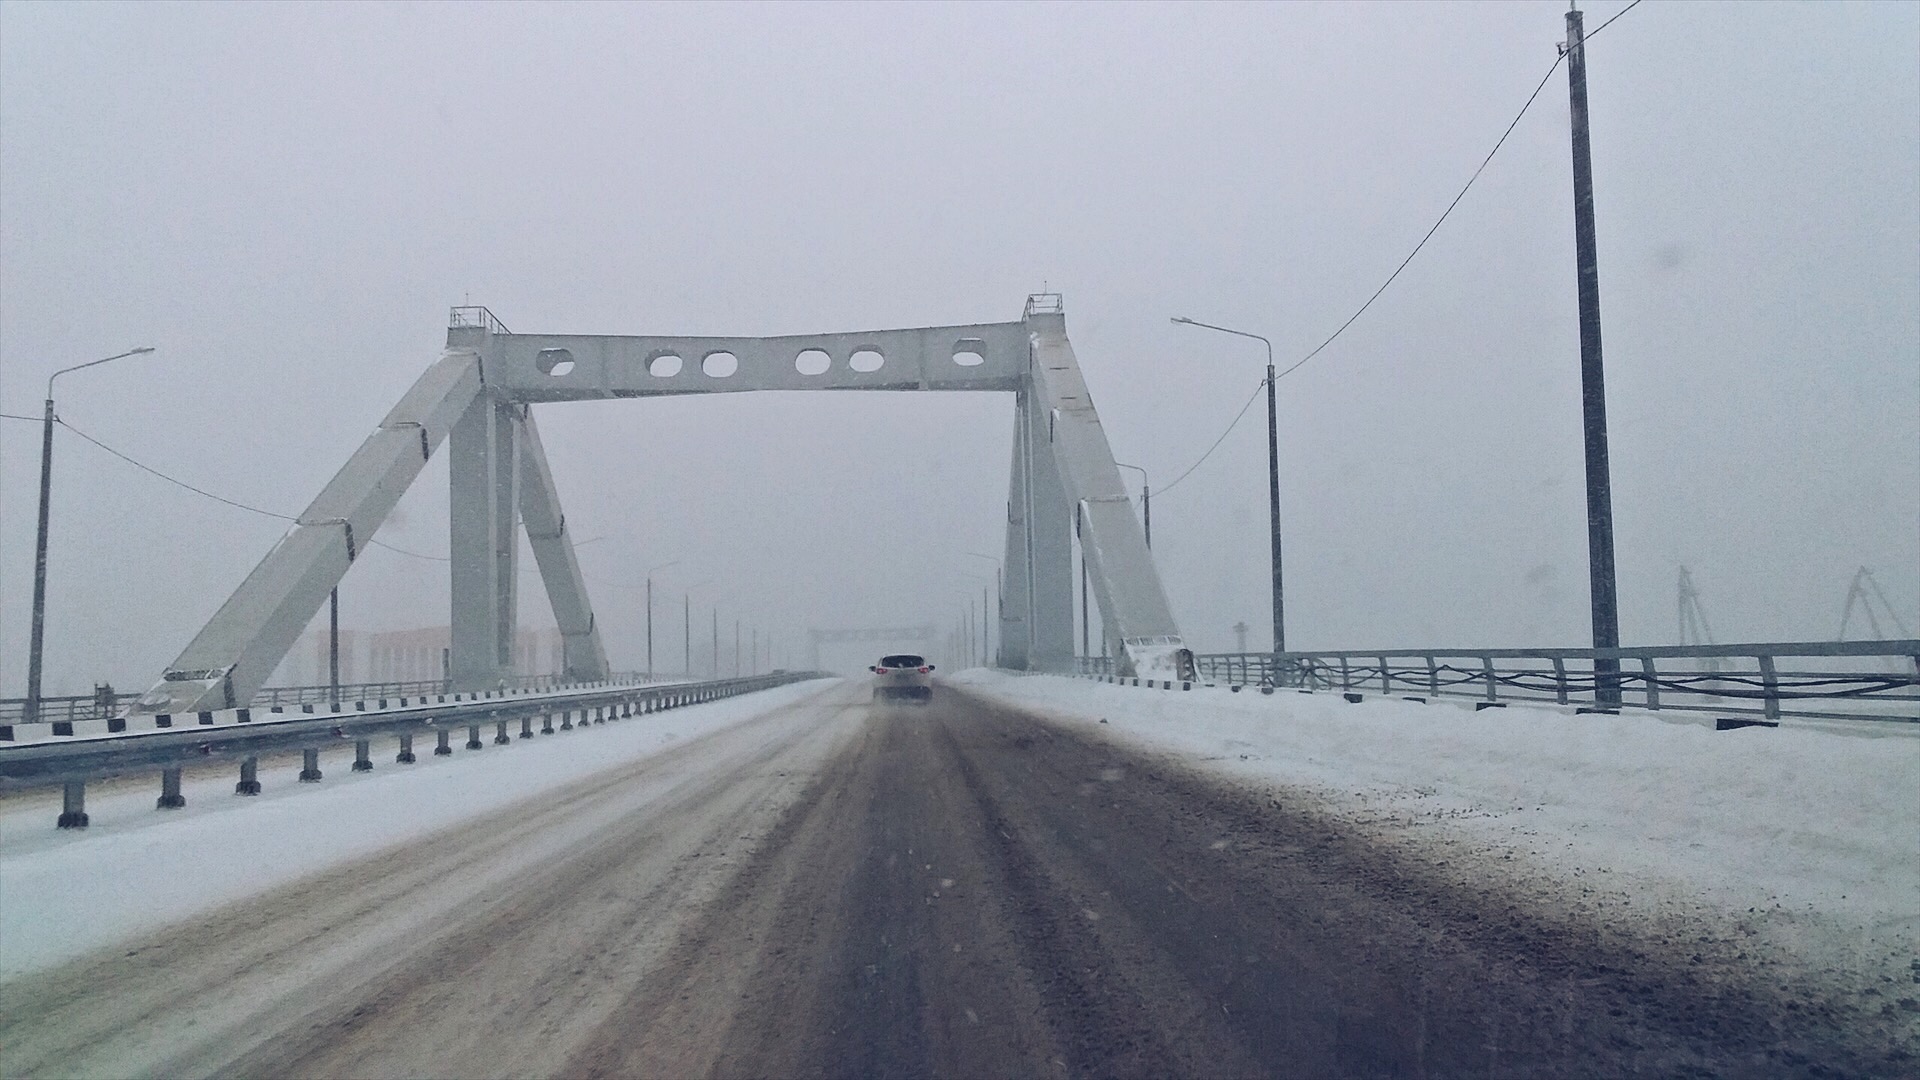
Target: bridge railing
[
  {"x": 73, "y": 754},
  {"x": 105, "y": 702},
  {"x": 1853, "y": 680}
]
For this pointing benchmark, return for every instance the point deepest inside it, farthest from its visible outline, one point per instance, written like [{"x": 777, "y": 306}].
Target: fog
[{"x": 284, "y": 200}]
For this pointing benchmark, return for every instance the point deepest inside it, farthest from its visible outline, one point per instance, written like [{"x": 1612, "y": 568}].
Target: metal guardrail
[
  {"x": 74, "y": 759},
  {"x": 1848, "y": 680},
  {"x": 475, "y": 315},
  {"x": 100, "y": 705},
  {"x": 68, "y": 708}
]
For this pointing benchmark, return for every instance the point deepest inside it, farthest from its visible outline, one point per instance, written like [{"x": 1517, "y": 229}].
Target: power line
[
  {"x": 143, "y": 467},
  {"x": 1223, "y": 438},
  {"x": 171, "y": 480},
  {"x": 1444, "y": 214},
  {"x": 1555, "y": 66}
]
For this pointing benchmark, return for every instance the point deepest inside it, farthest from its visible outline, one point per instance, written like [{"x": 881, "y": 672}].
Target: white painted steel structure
[{"x": 477, "y": 398}]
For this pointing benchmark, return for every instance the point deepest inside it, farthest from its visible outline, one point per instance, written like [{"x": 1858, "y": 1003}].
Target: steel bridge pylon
[{"x": 479, "y": 397}]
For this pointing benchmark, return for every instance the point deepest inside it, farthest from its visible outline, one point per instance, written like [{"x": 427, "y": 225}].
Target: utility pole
[
  {"x": 1273, "y": 480},
  {"x": 1273, "y": 509},
  {"x": 649, "y": 628},
  {"x": 333, "y": 644},
  {"x": 1593, "y": 395},
  {"x": 736, "y": 648},
  {"x": 686, "y": 614},
  {"x": 30, "y": 711},
  {"x": 716, "y": 641},
  {"x": 1086, "y": 628}
]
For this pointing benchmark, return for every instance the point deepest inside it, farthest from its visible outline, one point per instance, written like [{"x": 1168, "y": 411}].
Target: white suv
[{"x": 903, "y": 676}]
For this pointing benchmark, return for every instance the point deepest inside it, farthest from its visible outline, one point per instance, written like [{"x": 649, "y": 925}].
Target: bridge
[
  {"x": 478, "y": 398},
  {"x": 769, "y": 875}
]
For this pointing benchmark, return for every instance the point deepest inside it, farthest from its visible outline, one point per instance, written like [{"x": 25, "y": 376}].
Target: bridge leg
[
  {"x": 473, "y": 737},
  {"x": 546, "y": 723},
  {"x": 1050, "y": 548},
  {"x": 1014, "y": 583},
  {"x": 363, "y": 755},
  {"x": 170, "y": 797},
  {"x": 500, "y": 737},
  {"x": 445, "y": 746},
  {"x": 73, "y": 805},
  {"x": 310, "y": 766},
  {"x": 405, "y": 756},
  {"x": 482, "y": 478},
  {"x": 249, "y": 777},
  {"x": 566, "y": 720},
  {"x": 526, "y": 727}
]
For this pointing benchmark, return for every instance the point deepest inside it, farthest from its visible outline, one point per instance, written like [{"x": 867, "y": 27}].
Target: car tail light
[{"x": 926, "y": 671}]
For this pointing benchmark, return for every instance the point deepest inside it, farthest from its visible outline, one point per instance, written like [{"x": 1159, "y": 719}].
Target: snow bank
[
  {"x": 63, "y": 893},
  {"x": 1819, "y": 823}
]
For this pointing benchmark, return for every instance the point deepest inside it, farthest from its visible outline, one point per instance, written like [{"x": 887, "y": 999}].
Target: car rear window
[{"x": 902, "y": 660}]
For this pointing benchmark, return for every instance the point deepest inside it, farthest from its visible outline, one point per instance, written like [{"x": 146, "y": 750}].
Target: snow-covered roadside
[
  {"x": 63, "y": 893},
  {"x": 1809, "y": 840}
]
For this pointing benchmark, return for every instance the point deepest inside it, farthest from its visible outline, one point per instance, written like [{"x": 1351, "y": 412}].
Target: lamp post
[
  {"x": 1146, "y": 500},
  {"x": 650, "y": 574},
  {"x": 1273, "y": 479},
  {"x": 686, "y": 626},
  {"x": 31, "y": 712},
  {"x": 983, "y": 613},
  {"x": 986, "y": 616}
]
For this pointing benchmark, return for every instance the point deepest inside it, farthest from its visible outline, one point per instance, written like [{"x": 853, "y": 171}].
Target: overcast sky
[{"x": 285, "y": 199}]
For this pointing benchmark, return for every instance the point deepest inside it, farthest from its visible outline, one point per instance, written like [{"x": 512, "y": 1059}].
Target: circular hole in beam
[
  {"x": 969, "y": 352},
  {"x": 866, "y": 360},
  {"x": 812, "y": 362},
  {"x": 719, "y": 364},
  {"x": 555, "y": 362},
  {"x": 665, "y": 366}
]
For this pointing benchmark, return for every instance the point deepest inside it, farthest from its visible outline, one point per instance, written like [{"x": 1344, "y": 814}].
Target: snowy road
[{"x": 828, "y": 889}]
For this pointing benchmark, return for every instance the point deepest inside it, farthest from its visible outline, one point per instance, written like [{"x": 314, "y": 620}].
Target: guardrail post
[
  {"x": 1771, "y": 682},
  {"x": 405, "y": 756},
  {"x": 546, "y": 723},
  {"x": 1653, "y": 682},
  {"x": 73, "y": 805},
  {"x": 249, "y": 777},
  {"x": 1560, "y": 679},
  {"x": 526, "y": 726},
  {"x": 170, "y": 797},
  {"x": 445, "y": 745},
  {"x": 1346, "y": 682},
  {"x": 1493, "y": 684},
  {"x": 363, "y": 755},
  {"x": 1386, "y": 677},
  {"x": 566, "y": 719},
  {"x": 500, "y": 736},
  {"x": 473, "y": 737},
  {"x": 1433, "y": 677},
  {"x": 310, "y": 765}
]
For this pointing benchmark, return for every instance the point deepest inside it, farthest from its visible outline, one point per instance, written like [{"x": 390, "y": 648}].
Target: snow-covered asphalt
[{"x": 819, "y": 887}]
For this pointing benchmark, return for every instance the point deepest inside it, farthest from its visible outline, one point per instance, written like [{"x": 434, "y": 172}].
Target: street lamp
[
  {"x": 1146, "y": 499},
  {"x": 31, "y": 712},
  {"x": 1273, "y": 477},
  {"x": 686, "y": 629},
  {"x": 983, "y": 612},
  {"x": 986, "y": 618},
  {"x": 650, "y": 574}
]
